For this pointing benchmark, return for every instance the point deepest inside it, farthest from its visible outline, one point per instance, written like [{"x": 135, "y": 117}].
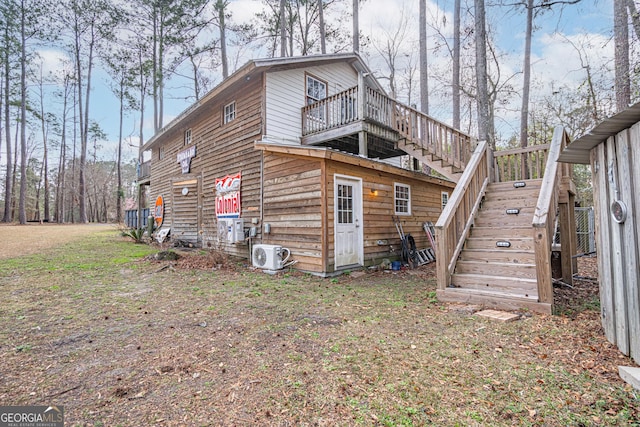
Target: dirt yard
[
  {"x": 97, "y": 324},
  {"x": 32, "y": 238}
]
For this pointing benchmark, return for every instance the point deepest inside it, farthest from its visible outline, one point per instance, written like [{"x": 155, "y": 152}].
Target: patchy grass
[{"x": 120, "y": 339}]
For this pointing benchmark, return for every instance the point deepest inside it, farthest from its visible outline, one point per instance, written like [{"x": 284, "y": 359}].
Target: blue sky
[{"x": 555, "y": 60}]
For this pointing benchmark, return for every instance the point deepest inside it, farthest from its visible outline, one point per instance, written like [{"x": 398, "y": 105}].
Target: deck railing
[
  {"x": 329, "y": 113},
  {"x": 544, "y": 217},
  {"x": 444, "y": 142},
  {"x": 454, "y": 224},
  {"x": 145, "y": 170},
  {"x": 521, "y": 163}
]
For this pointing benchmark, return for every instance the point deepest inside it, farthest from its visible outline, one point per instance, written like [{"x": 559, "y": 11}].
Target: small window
[
  {"x": 229, "y": 112},
  {"x": 444, "y": 196},
  {"x": 187, "y": 137},
  {"x": 161, "y": 152},
  {"x": 402, "y": 199}
]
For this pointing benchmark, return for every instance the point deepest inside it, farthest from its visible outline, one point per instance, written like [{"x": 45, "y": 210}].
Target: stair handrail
[
  {"x": 456, "y": 219},
  {"x": 544, "y": 217}
]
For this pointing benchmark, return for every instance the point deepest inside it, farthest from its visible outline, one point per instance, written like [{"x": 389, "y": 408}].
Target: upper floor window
[
  {"x": 187, "y": 137},
  {"x": 161, "y": 152},
  {"x": 402, "y": 199},
  {"x": 229, "y": 112},
  {"x": 316, "y": 90}
]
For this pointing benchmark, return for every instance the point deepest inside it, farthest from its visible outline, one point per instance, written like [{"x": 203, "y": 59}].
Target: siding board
[{"x": 629, "y": 236}]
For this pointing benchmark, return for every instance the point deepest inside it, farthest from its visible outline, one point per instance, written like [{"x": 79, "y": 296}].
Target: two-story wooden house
[{"x": 304, "y": 153}]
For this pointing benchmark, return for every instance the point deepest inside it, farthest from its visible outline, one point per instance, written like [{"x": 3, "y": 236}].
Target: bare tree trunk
[
  {"x": 83, "y": 143},
  {"x": 356, "y": 27},
  {"x": 154, "y": 71},
  {"x": 424, "y": 72},
  {"x": 45, "y": 159},
  {"x": 220, "y": 7},
  {"x": 283, "y": 32},
  {"x": 14, "y": 174},
  {"x": 36, "y": 211},
  {"x": 455, "y": 86},
  {"x": 8, "y": 190},
  {"x": 22, "y": 213},
  {"x": 323, "y": 34},
  {"x": 60, "y": 191},
  {"x": 481, "y": 74},
  {"x": 621, "y": 38},
  {"x": 119, "y": 161},
  {"x": 526, "y": 86}
]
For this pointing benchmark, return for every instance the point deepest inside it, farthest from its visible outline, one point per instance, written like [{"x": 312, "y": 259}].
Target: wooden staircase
[
  {"x": 494, "y": 237},
  {"x": 497, "y": 265}
]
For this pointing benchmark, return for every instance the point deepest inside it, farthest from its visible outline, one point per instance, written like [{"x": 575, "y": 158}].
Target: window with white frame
[
  {"x": 402, "y": 199},
  {"x": 316, "y": 91},
  {"x": 187, "y": 137},
  {"x": 161, "y": 152},
  {"x": 229, "y": 112},
  {"x": 444, "y": 196}
]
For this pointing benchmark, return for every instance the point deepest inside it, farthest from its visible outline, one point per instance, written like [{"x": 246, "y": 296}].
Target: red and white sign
[
  {"x": 158, "y": 211},
  {"x": 228, "y": 196}
]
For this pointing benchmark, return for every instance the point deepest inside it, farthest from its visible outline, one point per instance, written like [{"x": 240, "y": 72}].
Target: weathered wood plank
[
  {"x": 619, "y": 292},
  {"x": 628, "y": 188},
  {"x": 492, "y": 300},
  {"x": 603, "y": 232},
  {"x": 634, "y": 203}
]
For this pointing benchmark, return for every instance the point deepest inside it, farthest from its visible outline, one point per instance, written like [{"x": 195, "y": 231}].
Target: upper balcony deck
[{"x": 390, "y": 128}]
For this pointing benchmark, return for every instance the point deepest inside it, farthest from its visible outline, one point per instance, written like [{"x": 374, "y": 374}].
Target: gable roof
[
  {"x": 579, "y": 150},
  {"x": 257, "y": 66}
]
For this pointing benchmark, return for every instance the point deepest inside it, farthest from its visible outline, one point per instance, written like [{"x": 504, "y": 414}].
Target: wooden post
[
  {"x": 543, "y": 265},
  {"x": 362, "y": 135},
  {"x": 362, "y": 144},
  {"x": 566, "y": 242},
  {"x": 361, "y": 96}
]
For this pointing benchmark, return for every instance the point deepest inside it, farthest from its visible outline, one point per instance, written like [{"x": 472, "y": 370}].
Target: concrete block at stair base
[
  {"x": 631, "y": 375},
  {"x": 500, "y": 316}
]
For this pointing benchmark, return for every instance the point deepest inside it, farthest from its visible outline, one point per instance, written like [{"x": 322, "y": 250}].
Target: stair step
[
  {"x": 516, "y": 286},
  {"x": 506, "y": 232},
  {"x": 517, "y": 244},
  {"x": 495, "y": 300},
  {"x": 504, "y": 203},
  {"x": 500, "y": 220},
  {"x": 524, "y": 271},
  {"x": 501, "y": 212},
  {"x": 495, "y": 196},
  {"x": 498, "y": 255},
  {"x": 508, "y": 185}
]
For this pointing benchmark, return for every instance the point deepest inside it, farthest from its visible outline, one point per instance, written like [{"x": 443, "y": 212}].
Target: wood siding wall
[
  {"x": 378, "y": 209},
  {"x": 299, "y": 206},
  {"x": 293, "y": 208},
  {"x": 221, "y": 149},
  {"x": 286, "y": 95},
  {"x": 615, "y": 164}
]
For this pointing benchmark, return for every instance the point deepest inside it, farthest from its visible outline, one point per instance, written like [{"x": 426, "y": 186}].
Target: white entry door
[{"x": 348, "y": 221}]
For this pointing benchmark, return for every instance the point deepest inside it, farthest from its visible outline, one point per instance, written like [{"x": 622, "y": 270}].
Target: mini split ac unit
[{"x": 269, "y": 257}]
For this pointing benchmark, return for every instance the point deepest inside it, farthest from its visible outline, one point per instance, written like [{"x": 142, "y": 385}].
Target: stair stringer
[{"x": 431, "y": 159}]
